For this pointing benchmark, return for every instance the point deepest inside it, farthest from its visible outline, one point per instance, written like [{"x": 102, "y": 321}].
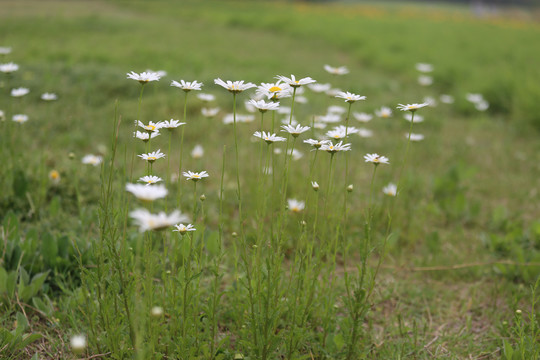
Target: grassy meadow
[{"x": 447, "y": 269}]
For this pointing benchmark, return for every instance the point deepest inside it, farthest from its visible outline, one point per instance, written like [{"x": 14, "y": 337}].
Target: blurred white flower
[
  {"x": 481, "y": 105},
  {"x": 264, "y": 106},
  {"x": 206, "y": 97},
  {"x": 145, "y": 136},
  {"x": 329, "y": 118},
  {"x": 383, "y": 112},
  {"x": 417, "y": 118},
  {"x": 209, "y": 112},
  {"x": 365, "y": 133},
  {"x": 296, "y": 205},
  {"x": 350, "y": 97},
  {"x": 4, "y": 50},
  {"x": 411, "y": 107},
  {"x": 182, "y": 229},
  {"x": 423, "y": 67},
  {"x": 9, "y": 68},
  {"x": 415, "y": 137},
  {"x": 156, "y": 311},
  {"x": 390, "y": 189},
  {"x": 77, "y": 343},
  {"x": 425, "y": 80},
  {"x": 446, "y": 99},
  {"x": 18, "y": 92},
  {"x": 148, "y": 221},
  {"x": 20, "y": 118},
  {"x": 49, "y": 97},
  {"x": 362, "y": 117},
  {"x": 342, "y": 70},
  {"x": 315, "y": 185},
  {"x": 319, "y": 88},
  {"x": 170, "y": 124},
  {"x": 91, "y": 159},
  {"x": 295, "y": 83},
  {"x": 54, "y": 176},
  {"x": 150, "y": 179},
  {"x": 197, "y": 152},
  {"x": 147, "y": 192}
]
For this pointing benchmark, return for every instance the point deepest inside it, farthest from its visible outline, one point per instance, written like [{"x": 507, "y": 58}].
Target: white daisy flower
[
  {"x": 20, "y": 118},
  {"x": 315, "y": 185},
  {"x": 425, "y": 80},
  {"x": 417, "y": 118},
  {"x": 269, "y": 138},
  {"x": 145, "y": 136},
  {"x": 152, "y": 126},
  {"x": 5, "y": 50},
  {"x": 316, "y": 143},
  {"x": 263, "y": 106},
  {"x": 295, "y": 83},
  {"x": 383, "y": 112},
  {"x": 274, "y": 91},
  {"x": 350, "y": 97},
  {"x": 9, "y": 68},
  {"x": 148, "y": 221},
  {"x": 362, "y": 117},
  {"x": 415, "y": 137},
  {"x": 423, "y": 67},
  {"x": 376, "y": 159},
  {"x": 411, "y": 107},
  {"x": 54, "y": 176},
  {"x": 342, "y": 70},
  {"x": 153, "y": 156},
  {"x": 190, "y": 175},
  {"x": 150, "y": 179},
  {"x": 182, "y": 229},
  {"x": 187, "y": 85},
  {"x": 18, "y": 92},
  {"x": 390, "y": 189},
  {"x": 340, "y": 132},
  {"x": 91, "y": 159},
  {"x": 481, "y": 105},
  {"x": 206, "y": 97},
  {"x": 170, "y": 124},
  {"x": 234, "y": 86},
  {"x": 334, "y": 148},
  {"x": 474, "y": 97},
  {"x": 49, "y": 97},
  {"x": 157, "y": 311},
  {"x": 144, "y": 77},
  {"x": 296, "y": 205},
  {"x": 147, "y": 192},
  {"x": 295, "y": 131},
  {"x": 446, "y": 99},
  {"x": 197, "y": 152},
  {"x": 329, "y": 118},
  {"x": 209, "y": 112},
  {"x": 319, "y": 88}
]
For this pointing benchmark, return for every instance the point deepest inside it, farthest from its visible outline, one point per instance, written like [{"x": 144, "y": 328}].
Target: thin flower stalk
[{"x": 182, "y": 148}]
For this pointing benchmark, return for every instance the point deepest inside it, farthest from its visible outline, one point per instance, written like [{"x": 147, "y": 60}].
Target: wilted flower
[
  {"x": 91, "y": 159},
  {"x": 269, "y": 138},
  {"x": 144, "y": 77},
  {"x": 148, "y": 221},
  {"x": 146, "y": 192},
  {"x": 153, "y": 156},
  {"x": 234, "y": 86},
  {"x": 182, "y": 229},
  {"x": 390, "y": 189},
  {"x": 20, "y": 118},
  {"x": 150, "y": 179},
  {"x": 18, "y": 92},
  {"x": 197, "y": 152},
  {"x": 187, "y": 85},
  {"x": 376, "y": 159},
  {"x": 195, "y": 176},
  {"x": 49, "y": 97},
  {"x": 411, "y": 107},
  {"x": 296, "y": 205},
  {"x": 342, "y": 70},
  {"x": 295, "y": 83},
  {"x": 350, "y": 97}
]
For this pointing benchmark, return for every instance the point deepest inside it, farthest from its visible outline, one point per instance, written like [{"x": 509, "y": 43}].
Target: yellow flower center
[
  {"x": 54, "y": 175},
  {"x": 152, "y": 158},
  {"x": 150, "y": 127},
  {"x": 275, "y": 89}
]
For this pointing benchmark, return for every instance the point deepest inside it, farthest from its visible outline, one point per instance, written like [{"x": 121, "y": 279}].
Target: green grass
[{"x": 470, "y": 188}]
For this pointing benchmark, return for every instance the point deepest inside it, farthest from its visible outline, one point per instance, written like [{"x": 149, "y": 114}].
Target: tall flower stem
[
  {"x": 238, "y": 189},
  {"x": 344, "y": 215},
  {"x": 182, "y": 150},
  {"x": 135, "y": 123},
  {"x": 406, "y": 154}
]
